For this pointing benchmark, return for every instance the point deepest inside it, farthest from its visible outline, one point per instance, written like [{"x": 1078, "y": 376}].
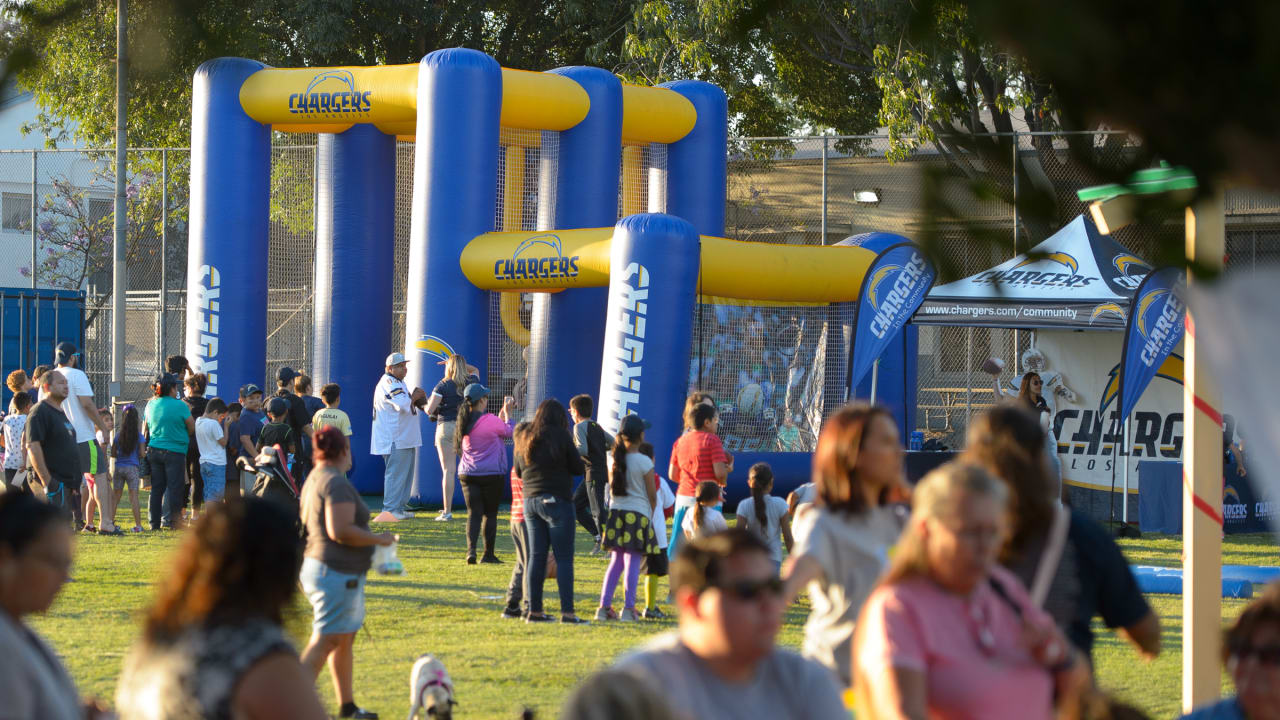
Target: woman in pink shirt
[
  {"x": 949, "y": 634},
  {"x": 482, "y": 465}
]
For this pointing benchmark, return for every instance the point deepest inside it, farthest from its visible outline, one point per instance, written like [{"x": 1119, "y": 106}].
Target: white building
[{"x": 18, "y": 108}]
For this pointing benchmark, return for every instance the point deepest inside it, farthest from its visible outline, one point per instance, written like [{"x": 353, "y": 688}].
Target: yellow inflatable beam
[
  {"x": 767, "y": 272},
  {"x": 331, "y": 99}
]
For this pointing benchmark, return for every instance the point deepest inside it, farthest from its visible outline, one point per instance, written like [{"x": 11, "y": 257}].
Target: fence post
[
  {"x": 825, "y": 140},
  {"x": 164, "y": 255},
  {"x": 34, "y": 237}
]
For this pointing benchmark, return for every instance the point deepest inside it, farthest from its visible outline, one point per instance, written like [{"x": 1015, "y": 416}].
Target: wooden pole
[{"x": 1202, "y": 483}]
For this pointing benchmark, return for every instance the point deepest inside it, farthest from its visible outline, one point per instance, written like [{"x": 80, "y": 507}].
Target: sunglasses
[
  {"x": 748, "y": 590},
  {"x": 1264, "y": 654}
]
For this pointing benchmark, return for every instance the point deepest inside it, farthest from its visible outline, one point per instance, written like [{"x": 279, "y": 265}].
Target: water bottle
[{"x": 917, "y": 440}]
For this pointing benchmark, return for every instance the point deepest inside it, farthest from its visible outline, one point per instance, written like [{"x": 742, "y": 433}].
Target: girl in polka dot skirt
[{"x": 628, "y": 533}]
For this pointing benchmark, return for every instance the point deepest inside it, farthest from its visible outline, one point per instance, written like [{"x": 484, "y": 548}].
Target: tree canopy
[{"x": 64, "y": 50}]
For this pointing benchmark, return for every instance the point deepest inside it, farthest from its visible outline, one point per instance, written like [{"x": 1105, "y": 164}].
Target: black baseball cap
[
  {"x": 64, "y": 352},
  {"x": 285, "y": 374},
  {"x": 277, "y": 406},
  {"x": 249, "y": 389},
  {"x": 633, "y": 425}
]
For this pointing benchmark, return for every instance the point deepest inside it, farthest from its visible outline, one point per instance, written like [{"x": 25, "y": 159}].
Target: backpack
[{"x": 273, "y": 481}]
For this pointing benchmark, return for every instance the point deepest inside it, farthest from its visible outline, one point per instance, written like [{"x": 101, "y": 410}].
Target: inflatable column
[
  {"x": 227, "y": 250},
  {"x": 697, "y": 163},
  {"x": 355, "y": 257},
  {"x": 454, "y": 195},
  {"x": 653, "y": 277},
  {"x": 586, "y": 197}
]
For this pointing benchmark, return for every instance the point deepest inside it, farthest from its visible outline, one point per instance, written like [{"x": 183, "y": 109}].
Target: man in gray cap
[
  {"x": 396, "y": 436},
  {"x": 82, "y": 411}
]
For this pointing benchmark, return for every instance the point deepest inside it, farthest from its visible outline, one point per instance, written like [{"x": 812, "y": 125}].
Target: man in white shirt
[
  {"x": 82, "y": 411},
  {"x": 723, "y": 662},
  {"x": 397, "y": 435}
]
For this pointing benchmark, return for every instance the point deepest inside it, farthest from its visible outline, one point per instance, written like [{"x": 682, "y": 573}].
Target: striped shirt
[
  {"x": 695, "y": 454},
  {"x": 517, "y": 498}
]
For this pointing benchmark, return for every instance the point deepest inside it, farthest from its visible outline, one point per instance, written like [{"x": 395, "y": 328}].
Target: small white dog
[{"x": 430, "y": 689}]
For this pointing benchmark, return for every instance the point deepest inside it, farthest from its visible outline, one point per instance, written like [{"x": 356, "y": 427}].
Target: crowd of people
[{"x": 970, "y": 595}]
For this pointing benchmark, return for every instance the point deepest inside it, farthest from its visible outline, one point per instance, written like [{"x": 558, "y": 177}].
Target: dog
[{"x": 430, "y": 690}]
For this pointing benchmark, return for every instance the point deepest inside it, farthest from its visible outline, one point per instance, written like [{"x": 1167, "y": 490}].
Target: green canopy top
[{"x": 1143, "y": 182}]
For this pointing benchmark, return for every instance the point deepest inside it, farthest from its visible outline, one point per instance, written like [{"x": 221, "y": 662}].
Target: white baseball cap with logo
[{"x": 395, "y": 358}]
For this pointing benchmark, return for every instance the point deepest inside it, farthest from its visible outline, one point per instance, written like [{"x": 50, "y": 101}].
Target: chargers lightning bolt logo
[
  {"x": 1106, "y": 308},
  {"x": 1170, "y": 369},
  {"x": 876, "y": 279},
  {"x": 1141, "y": 313},
  {"x": 1061, "y": 258},
  {"x": 434, "y": 347}
]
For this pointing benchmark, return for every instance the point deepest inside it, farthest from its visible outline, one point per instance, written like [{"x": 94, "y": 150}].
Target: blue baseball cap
[{"x": 475, "y": 391}]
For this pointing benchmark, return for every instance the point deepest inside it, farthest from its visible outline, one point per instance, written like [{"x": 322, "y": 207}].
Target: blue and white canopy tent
[{"x": 1077, "y": 279}]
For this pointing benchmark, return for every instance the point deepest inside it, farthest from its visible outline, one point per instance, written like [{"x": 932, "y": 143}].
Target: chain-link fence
[{"x": 765, "y": 363}]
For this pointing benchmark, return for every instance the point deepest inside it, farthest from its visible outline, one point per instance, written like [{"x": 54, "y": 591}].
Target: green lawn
[{"x": 445, "y": 607}]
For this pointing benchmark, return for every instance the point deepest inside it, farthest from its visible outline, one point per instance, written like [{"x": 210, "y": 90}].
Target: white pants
[
  {"x": 448, "y": 453},
  {"x": 398, "y": 478}
]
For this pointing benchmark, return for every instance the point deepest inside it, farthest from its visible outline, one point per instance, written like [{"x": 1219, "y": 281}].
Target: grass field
[{"x": 450, "y": 609}]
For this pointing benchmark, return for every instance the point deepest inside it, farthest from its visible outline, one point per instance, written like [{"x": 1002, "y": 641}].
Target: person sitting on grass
[
  {"x": 765, "y": 515},
  {"x": 723, "y": 661},
  {"x": 628, "y": 533},
  {"x": 277, "y": 430},
  {"x": 127, "y": 447},
  {"x": 705, "y": 518},
  {"x": 213, "y": 643}
]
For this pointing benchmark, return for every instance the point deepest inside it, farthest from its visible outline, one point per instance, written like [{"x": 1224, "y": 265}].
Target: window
[
  {"x": 17, "y": 211},
  {"x": 99, "y": 209}
]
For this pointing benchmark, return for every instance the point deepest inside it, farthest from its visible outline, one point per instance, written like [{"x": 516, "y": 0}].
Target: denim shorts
[
  {"x": 337, "y": 598},
  {"x": 215, "y": 481}
]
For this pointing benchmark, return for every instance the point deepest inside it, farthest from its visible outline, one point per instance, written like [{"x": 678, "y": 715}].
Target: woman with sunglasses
[
  {"x": 1251, "y": 651},
  {"x": 948, "y": 633},
  {"x": 35, "y": 559},
  {"x": 723, "y": 661},
  {"x": 1031, "y": 397},
  {"x": 842, "y": 543}
]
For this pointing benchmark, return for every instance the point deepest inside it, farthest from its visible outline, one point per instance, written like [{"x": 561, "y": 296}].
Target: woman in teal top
[{"x": 169, "y": 427}]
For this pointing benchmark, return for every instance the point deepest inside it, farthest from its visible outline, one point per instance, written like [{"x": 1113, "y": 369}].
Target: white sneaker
[
  {"x": 403, "y": 514},
  {"x": 444, "y": 516},
  {"x": 627, "y": 616}
]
